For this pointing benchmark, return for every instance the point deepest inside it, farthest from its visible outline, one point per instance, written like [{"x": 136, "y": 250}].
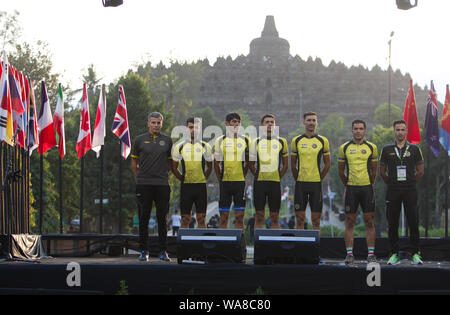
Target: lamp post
[{"x": 389, "y": 82}]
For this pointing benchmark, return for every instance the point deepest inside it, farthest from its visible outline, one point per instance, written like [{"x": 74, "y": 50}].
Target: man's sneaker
[
  {"x": 394, "y": 260},
  {"x": 164, "y": 256},
  {"x": 144, "y": 256},
  {"x": 349, "y": 260},
  {"x": 371, "y": 259},
  {"x": 417, "y": 260}
]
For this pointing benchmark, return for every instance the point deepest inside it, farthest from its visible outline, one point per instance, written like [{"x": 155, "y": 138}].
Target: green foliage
[
  {"x": 381, "y": 114},
  {"x": 123, "y": 288},
  {"x": 259, "y": 291}
]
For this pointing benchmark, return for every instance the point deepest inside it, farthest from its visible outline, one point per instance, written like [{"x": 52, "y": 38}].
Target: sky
[{"x": 354, "y": 32}]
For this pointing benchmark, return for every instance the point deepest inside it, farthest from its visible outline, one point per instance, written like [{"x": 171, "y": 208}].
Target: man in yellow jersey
[
  {"x": 360, "y": 160},
  {"x": 231, "y": 154},
  {"x": 193, "y": 154},
  {"x": 307, "y": 152},
  {"x": 267, "y": 153}
]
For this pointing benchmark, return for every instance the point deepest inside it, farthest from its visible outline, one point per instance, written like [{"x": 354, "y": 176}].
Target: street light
[{"x": 389, "y": 81}]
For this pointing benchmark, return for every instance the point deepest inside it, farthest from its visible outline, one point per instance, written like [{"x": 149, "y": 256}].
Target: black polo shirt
[
  {"x": 152, "y": 153},
  {"x": 393, "y": 157}
]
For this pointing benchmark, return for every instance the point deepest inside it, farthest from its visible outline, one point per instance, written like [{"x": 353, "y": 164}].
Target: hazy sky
[{"x": 83, "y": 32}]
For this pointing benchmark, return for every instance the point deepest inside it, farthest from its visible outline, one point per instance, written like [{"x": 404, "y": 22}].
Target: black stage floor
[{"x": 101, "y": 274}]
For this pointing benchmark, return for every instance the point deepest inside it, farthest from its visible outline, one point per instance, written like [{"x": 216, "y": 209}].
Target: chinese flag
[{"x": 410, "y": 116}]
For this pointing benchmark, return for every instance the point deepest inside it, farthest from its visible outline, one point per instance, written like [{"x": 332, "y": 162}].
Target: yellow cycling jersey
[
  {"x": 309, "y": 152},
  {"x": 232, "y": 153},
  {"x": 268, "y": 153},
  {"x": 358, "y": 159},
  {"x": 193, "y": 157}
]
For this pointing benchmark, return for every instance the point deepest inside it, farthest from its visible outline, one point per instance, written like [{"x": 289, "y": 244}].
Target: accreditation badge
[{"x": 401, "y": 173}]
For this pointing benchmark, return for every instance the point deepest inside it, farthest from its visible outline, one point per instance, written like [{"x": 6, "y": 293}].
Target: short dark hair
[
  {"x": 359, "y": 121},
  {"x": 309, "y": 114},
  {"x": 232, "y": 116},
  {"x": 192, "y": 120},
  {"x": 398, "y": 122},
  {"x": 266, "y": 116},
  {"x": 155, "y": 115}
]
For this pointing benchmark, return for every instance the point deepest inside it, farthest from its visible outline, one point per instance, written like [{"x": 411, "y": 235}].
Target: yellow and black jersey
[
  {"x": 232, "y": 154},
  {"x": 193, "y": 158},
  {"x": 309, "y": 152},
  {"x": 358, "y": 159},
  {"x": 268, "y": 153}
]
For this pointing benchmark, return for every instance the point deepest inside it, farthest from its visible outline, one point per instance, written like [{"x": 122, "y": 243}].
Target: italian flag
[
  {"x": 47, "y": 138},
  {"x": 58, "y": 123}
]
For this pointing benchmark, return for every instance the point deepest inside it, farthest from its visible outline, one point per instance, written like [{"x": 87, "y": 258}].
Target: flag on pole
[
  {"x": 33, "y": 131},
  {"x": 6, "y": 123},
  {"x": 22, "y": 119},
  {"x": 84, "y": 136},
  {"x": 15, "y": 90},
  {"x": 47, "y": 138},
  {"x": 431, "y": 122},
  {"x": 410, "y": 116},
  {"x": 58, "y": 123},
  {"x": 100, "y": 129},
  {"x": 120, "y": 124},
  {"x": 445, "y": 124}
]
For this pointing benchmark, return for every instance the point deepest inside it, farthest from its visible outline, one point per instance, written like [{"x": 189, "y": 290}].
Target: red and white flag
[
  {"x": 33, "y": 131},
  {"x": 100, "y": 130},
  {"x": 84, "y": 136},
  {"x": 6, "y": 123},
  {"x": 47, "y": 138},
  {"x": 120, "y": 124},
  {"x": 58, "y": 123}
]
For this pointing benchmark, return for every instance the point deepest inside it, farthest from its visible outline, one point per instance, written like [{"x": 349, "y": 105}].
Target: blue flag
[{"x": 431, "y": 122}]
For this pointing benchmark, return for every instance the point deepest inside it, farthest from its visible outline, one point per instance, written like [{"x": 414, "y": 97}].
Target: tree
[
  {"x": 381, "y": 114},
  {"x": 10, "y": 29}
]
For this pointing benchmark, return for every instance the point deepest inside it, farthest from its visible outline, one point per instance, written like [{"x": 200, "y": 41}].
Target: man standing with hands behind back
[
  {"x": 151, "y": 162},
  {"x": 359, "y": 158},
  {"x": 401, "y": 167},
  {"x": 307, "y": 152}
]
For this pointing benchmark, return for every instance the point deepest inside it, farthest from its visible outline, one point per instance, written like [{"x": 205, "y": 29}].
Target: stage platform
[
  {"x": 107, "y": 260},
  {"x": 101, "y": 274}
]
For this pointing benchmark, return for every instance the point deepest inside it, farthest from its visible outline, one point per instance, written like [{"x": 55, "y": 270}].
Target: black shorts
[
  {"x": 359, "y": 195},
  {"x": 267, "y": 190},
  {"x": 191, "y": 194},
  {"x": 232, "y": 192},
  {"x": 308, "y": 192}
]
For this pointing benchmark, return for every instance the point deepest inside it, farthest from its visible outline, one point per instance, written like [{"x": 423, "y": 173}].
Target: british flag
[{"x": 120, "y": 124}]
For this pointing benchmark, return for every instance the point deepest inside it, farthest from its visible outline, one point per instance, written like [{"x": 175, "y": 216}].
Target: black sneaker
[
  {"x": 144, "y": 256},
  {"x": 164, "y": 256}
]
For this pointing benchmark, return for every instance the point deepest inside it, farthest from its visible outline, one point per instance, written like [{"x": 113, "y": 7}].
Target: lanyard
[{"x": 404, "y": 154}]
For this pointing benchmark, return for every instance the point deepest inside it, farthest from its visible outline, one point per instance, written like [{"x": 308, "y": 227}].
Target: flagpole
[
  {"x": 2, "y": 214},
  {"x": 120, "y": 188},
  {"x": 446, "y": 195},
  {"x": 81, "y": 193},
  {"x": 427, "y": 184},
  {"x": 41, "y": 201},
  {"x": 101, "y": 191},
  {"x": 60, "y": 197}
]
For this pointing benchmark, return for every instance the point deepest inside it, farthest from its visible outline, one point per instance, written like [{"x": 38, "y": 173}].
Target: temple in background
[{"x": 270, "y": 80}]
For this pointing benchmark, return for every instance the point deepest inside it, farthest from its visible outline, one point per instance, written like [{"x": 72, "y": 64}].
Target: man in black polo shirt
[
  {"x": 401, "y": 167},
  {"x": 151, "y": 162}
]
